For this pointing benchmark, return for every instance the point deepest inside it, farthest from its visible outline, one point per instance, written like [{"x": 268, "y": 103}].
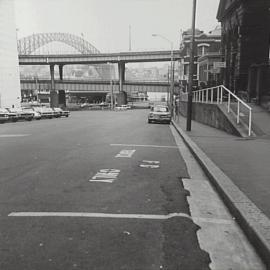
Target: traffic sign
[{"x": 219, "y": 65}]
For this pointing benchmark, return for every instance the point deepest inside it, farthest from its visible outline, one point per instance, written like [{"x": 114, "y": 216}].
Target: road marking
[
  {"x": 97, "y": 215},
  {"x": 151, "y": 161},
  {"x": 13, "y": 135},
  {"x": 149, "y": 166},
  {"x": 145, "y": 145},
  {"x": 105, "y": 176},
  {"x": 103, "y": 181},
  {"x": 152, "y": 164},
  {"x": 125, "y": 153},
  {"x": 120, "y": 216}
]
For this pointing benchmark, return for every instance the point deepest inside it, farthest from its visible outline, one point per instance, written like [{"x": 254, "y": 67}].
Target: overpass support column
[
  {"x": 52, "y": 77},
  {"x": 61, "y": 72},
  {"x": 53, "y": 93},
  {"x": 121, "y": 72}
]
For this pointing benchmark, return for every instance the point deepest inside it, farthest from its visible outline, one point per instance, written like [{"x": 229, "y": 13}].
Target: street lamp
[
  {"x": 191, "y": 68},
  {"x": 172, "y": 68}
]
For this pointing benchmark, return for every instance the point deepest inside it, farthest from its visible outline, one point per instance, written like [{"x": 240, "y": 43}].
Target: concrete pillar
[
  {"x": 52, "y": 77},
  {"x": 53, "y": 93},
  {"x": 121, "y": 72},
  {"x": 61, "y": 72}
]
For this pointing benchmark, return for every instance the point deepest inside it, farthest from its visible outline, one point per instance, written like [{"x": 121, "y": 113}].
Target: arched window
[{"x": 202, "y": 49}]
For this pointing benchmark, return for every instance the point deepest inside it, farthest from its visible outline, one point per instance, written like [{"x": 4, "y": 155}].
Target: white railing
[{"x": 220, "y": 95}]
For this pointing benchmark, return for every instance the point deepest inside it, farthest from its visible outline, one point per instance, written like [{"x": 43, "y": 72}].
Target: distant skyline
[{"x": 105, "y": 23}]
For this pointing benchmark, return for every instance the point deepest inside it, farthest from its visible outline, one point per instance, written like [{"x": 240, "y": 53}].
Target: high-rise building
[{"x": 10, "y": 93}]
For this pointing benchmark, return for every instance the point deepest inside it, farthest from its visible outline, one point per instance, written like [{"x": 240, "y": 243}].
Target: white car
[
  {"x": 159, "y": 114},
  {"x": 45, "y": 112},
  {"x": 37, "y": 115},
  {"x": 58, "y": 112}
]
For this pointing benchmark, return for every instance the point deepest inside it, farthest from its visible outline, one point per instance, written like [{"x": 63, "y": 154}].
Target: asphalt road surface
[{"x": 99, "y": 190}]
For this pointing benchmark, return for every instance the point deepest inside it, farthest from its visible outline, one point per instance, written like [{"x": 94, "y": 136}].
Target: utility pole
[
  {"x": 191, "y": 69},
  {"x": 111, "y": 94},
  {"x": 170, "y": 101},
  {"x": 129, "y": 38}
]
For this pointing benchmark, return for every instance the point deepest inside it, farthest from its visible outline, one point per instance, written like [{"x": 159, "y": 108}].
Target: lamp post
[
  {"x": 172, "y": 69},
  {"x": 191, "y": 68}
]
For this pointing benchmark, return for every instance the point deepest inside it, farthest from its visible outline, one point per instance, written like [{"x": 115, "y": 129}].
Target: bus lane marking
[
  {"x": 125, "y": 153},
  {"x": 105, "y": 176},
  {"x": 152, "y": 164}
]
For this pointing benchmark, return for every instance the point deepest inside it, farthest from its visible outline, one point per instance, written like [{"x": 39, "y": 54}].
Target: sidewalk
[{"x": 240, "y": 170}]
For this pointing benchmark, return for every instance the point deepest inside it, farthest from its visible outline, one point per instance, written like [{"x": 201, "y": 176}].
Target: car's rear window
[{"x": 160, "y": 109}]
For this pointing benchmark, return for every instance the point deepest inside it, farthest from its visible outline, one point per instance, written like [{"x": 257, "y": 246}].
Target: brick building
[
  {"x": 207, "y": 51},
  {"x": 245, "y": 45}
]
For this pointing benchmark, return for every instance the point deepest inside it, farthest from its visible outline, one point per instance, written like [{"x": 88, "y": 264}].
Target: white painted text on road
[
  {"x": 105, "y": 175},
  {"x": 125, "y": 153}
]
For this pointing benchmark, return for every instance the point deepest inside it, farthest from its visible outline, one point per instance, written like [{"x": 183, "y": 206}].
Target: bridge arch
[{"x": 29, "y": 44}]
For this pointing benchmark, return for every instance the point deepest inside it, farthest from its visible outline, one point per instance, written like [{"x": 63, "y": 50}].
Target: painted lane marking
[
  {"x": 144, "y": 145},
  {"x": 96, "y": 215},
  {"x": 125, "y": 153},
  {"x": 152, "y": 164},
  {"x": 120, "y": 216},
  {"x": 13, "y": 135},
  {"x": 102, "y": 180},
  {"x": 149, "y": 166},
  {"x": 151, "y": 161},
  {"x": 105, "y": 176}
]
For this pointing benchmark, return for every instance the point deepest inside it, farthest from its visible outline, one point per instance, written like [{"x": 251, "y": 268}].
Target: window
[
  {"x": 160, "y": 109},
  {"x": 202, "y": 49}
]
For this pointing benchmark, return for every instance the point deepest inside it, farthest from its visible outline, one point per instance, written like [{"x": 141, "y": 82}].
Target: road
[{"x": 102, "y": 190}]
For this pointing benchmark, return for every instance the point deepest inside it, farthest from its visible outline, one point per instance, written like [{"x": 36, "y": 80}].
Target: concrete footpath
[{"x": 239, "y": 169}]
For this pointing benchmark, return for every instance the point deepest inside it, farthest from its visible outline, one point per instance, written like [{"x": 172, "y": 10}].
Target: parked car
[
  {"x": 36, "y": 114},
  {"x": 21, "y": 114},
  {"x": 12, "y": 116},
  {"x": 4, "y": 116},
  {"x": 159, "y": 114},
  {"x": 45, "y": 112},
  {"x": 59, "y": 112}
]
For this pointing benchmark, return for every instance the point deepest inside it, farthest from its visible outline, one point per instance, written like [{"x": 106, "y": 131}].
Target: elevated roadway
[
  {"x": 98, "y": 86},
  {"x": 102, "y": 58}
]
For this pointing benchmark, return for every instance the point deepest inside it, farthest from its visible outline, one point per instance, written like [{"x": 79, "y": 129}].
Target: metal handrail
[{"x": 202, "y": 96}]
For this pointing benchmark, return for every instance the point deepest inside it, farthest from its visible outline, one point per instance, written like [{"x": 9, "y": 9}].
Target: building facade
[
  {"x": 207, "y": 51},
  {"x": 10, "y": 93},
  {"x": 245, "y": 43}
]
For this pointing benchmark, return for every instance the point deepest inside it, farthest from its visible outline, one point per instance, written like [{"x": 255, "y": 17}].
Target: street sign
[{"x": 219, "y": 65}]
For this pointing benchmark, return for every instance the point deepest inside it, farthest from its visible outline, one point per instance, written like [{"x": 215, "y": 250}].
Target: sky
[{"x": 106, "y": 23}]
